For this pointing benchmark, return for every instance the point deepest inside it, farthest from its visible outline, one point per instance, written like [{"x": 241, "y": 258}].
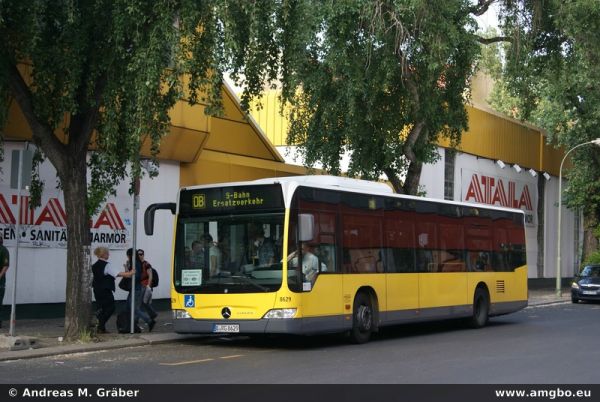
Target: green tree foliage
[
  {"x": 112, "y": 69},
  {"x": 492, "y": 62},
  {"x": 593, "y": 258},
  {"x": 383, "y": 80},
  {"x": 551, "y": 79}
]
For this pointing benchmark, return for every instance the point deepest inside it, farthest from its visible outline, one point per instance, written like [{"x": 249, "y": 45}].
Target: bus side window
[{"x": 326, "y": 254}]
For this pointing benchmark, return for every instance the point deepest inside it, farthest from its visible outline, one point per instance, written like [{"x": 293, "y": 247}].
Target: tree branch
[
  {"x": 494, "y": 39},
  {"x": 481, "y": 7},
  {"x": 394, "y": 179},
  {"x": 83, "y": 123},
  {"x": 411, "y": 184},
  {"x": 42, "y": 134},
  {"x": 412, "y": 138},
  {"x": 417, "y": 127}
]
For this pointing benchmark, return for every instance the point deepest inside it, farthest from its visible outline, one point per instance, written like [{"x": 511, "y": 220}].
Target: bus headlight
[
  {"x": 574, "y": 285},
  {"x": 279, "y": 313},
  {"x": 179, "y": 314}
]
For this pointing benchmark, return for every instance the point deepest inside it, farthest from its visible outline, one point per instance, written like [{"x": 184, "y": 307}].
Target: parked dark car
[{"x": 586, "y": 284}]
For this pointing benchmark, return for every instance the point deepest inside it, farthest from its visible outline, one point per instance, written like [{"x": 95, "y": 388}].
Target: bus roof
[
  {"x": 343, "y": 183},
  {"x": 290, "y": 183}
]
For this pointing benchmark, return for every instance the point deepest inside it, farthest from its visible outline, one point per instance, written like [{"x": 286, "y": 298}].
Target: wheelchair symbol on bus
[{"x": 189, "y": 301}]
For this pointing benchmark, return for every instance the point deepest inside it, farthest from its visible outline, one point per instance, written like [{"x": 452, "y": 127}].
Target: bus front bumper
[{"x": 272, "y": 326}]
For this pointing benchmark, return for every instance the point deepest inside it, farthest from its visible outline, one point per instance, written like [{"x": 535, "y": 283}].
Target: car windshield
[
  {"x": 229, "y": 253},
  {"x": 591, "y": 271}
]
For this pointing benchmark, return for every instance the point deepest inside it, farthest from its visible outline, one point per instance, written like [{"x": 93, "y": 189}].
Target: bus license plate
[
  {"x": 589, "y": 292},
  {"x": 226, "y": 328}
]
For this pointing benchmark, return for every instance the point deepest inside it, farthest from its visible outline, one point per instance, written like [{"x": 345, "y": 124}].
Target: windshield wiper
[{"x": 250, "y": 282}]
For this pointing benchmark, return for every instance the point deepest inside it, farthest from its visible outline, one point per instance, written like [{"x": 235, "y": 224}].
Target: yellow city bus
[{"x": 321, "y": 254}]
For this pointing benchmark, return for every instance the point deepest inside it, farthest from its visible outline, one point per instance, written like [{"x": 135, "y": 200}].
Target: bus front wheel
[
  {"x": 362, "y": 319},
  {"x": 481, "y": 308}
]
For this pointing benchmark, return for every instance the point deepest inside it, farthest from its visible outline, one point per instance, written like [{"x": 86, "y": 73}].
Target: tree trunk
[
  {"x": 70, "y": 162},
  {"x": 590, "y": 242},
  {"x": 78, "y": 293},
  {"x": 413, "y": 177},
  {"x": 394, "y": 180}
]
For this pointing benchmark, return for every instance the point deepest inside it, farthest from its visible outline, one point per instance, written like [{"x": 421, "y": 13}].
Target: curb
[
  {"x": 94, "y": 347},
  {"x": 70, "y": 349}
]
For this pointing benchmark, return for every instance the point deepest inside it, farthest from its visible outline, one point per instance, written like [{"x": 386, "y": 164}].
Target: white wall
[
  {"x": 158, "y": 247},
  {"x": 432, "y": 178},
  {"x": 568, "y": 250},
  {"x": 42, "y": 270}
]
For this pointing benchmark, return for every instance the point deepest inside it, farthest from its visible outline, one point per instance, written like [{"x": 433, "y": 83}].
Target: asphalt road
[{"x": 542, "y": 345}]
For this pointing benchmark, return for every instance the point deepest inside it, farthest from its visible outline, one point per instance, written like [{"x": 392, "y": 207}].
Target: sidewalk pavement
[{"x": 45, "y": 335}]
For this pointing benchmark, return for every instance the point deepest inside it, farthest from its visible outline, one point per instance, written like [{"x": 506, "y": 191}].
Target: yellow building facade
[
  {"x": 209, "y": 149},
  {"x": 490, "y": 135}
]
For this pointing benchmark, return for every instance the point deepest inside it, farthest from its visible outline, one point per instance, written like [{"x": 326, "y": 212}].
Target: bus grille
[{"x": 499, "y": 286}]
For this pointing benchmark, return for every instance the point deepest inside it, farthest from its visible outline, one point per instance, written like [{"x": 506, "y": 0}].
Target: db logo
[{"x": 199, "y": 201}]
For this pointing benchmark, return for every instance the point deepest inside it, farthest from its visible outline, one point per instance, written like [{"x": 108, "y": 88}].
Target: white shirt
[
  {"x": 310, "y": 264},
  {"x": 214, "y": 251},
  {"x": 111, "y": 270}
]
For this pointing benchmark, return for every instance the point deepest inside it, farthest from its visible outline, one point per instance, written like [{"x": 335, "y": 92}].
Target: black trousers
[
  {"x": 2, "y": 290},
  {"x": 105, "y": 302}
]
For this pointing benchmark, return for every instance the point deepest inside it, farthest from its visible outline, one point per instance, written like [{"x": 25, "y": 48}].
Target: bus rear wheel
[
  {"x": 362, "y": 319},
  {"x": 481, "y": 308}
]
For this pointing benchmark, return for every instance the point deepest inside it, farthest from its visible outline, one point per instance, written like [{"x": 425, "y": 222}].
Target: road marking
[
  {"x": 557, "y": 303},
  {"x": 199, "y": 361},
  {"x": 230, "y": 357},
  {"x": 188, "y": 362}
]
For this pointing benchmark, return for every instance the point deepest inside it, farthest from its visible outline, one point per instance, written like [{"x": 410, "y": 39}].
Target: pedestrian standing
[
  {"x": 146, "y": 285},
  {"x": 137, "y": 282},
  {"x": 103, "y": 285},
  {"x": 4, "y": 261}
]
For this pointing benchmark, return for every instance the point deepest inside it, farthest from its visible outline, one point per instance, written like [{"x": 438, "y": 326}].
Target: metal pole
[
  {"x": 558, "y": 273},
  {"x": 136, "y": 204},
  {"x": 558, "y": 237},
  {"x": 13, "y": 306}
]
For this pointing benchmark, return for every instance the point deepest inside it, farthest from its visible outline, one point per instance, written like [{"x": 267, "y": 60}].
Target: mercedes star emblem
[{"x": 226, "y": 313}]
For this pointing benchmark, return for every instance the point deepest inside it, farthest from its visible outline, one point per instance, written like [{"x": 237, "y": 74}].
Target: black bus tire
[
  {"x": 362, "y": 319},
  {"x": 481, "y": 308}
]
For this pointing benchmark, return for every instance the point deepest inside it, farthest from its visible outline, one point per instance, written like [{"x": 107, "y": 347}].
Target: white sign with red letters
[
  {"x": 46, "y": 226},
  {"x": 482, "y": 188}
]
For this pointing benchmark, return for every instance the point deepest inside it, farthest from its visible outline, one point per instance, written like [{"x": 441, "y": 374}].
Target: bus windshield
[{"x": 229, "y": 253}]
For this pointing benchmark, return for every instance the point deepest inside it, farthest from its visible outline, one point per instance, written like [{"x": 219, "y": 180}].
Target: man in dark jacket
[{"x": 103, "y": 285}]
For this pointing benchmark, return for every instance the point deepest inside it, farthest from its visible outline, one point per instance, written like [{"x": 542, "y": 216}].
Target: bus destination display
[{"x": 228, "y": 198}]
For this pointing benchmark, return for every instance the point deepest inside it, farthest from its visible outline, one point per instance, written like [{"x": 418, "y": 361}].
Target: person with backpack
[
  {"x": 140, "y": 313},
  {"x": 148, "y": 274}
]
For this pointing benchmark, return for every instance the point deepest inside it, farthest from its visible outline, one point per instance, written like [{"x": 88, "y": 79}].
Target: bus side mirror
[
  {"x": 149, "y": 215},
  {"x": 306, "y": 226}
]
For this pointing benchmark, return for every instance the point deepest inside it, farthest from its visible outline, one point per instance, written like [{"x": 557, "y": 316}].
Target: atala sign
[
  {"x": 499, "y": 191},
  {"x": 46, "y": 226}
]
